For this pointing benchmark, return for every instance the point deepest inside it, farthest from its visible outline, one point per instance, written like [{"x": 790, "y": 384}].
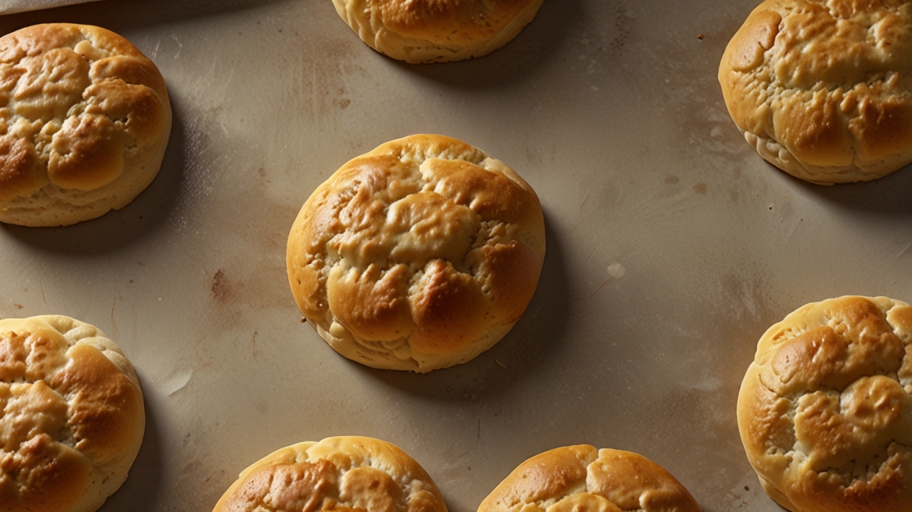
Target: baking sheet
[{"x": 671, "y": 245}]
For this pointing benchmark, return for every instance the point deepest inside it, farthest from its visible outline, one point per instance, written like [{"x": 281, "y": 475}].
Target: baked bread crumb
[
  {"x": 425, "y": 31},
  {"x": 337, "y": 473},
  {"x": 418, "y": 255},
  {"x": 825, "y": 411},
  {"x": 581, "y": 478},
  {"x": 84, "y": 122},
  {"x": 823, "y": 89},
  {"x": 71, "y": 415}
]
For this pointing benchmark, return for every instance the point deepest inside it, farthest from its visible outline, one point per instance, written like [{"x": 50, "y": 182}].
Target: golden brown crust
[
  {"x": 825, "y": 411},
  {"x": 71, "y": 415},
  {"x": 84, "y": 122},
  {"x": 418, "y": 255},
  {"x": 337, "y": 473},
  {"x": 823, "y": 90},
  {"x": 421, "y": 31},
  {"x": 583, "y": 478}
]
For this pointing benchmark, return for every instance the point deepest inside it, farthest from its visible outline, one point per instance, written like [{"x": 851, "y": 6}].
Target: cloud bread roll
[
  {"x": 581, "y": 478},
  {"x": 84, "y": 122},
  {"x": 337, "y": 473},
  {"x": 71, "y": 415},
  {"x": 823, "y": 89},
  {"x": 423, "y": 31},
  {"x": 418, "y": 255},
  {"x": 825, "y": 411}
]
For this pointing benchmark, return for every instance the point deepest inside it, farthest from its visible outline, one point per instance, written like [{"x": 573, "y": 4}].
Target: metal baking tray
[{"x": 671, "y": 245}]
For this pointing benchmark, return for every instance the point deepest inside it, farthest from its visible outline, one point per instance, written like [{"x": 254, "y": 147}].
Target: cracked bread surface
[
  {"x": 418, "y": 255},
  {"x": 424, "y": 31},
  {"x": 344, "y": 473},
  {"x": 84, "y": 122},
  {"x": 71, "y": 415},
  {"x": 823, "y": 89},
  {"x": 825, "y": 411},
  {"x": 582, "y": 478}
]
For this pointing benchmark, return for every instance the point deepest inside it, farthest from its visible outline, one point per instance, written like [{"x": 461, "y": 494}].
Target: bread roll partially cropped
[
  {"x": 424, "y": 31},
  {"x": 823, "y": 89},
  {"x": 825, "y": 411},
  {"x": 581, "y": 478},
  {"x": 84, "y": 122},
  {"x": 418, "y": 255},
  {"x": 337, "y": 473},
  {"x": 71, "y": 415}
]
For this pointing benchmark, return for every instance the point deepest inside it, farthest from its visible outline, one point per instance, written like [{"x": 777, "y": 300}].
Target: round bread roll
[
  {"x": 424, "y": 31},
  {"x": 825, "y": 412},
  {"x": 581, "y": 478},
  {"x": 71, "y": 415},
  {"x": 823, "y": 89},
  {"x": 418, "y": 255},
  {"x": 337, "y": 473},
  {"x": 84, "y": 121}
]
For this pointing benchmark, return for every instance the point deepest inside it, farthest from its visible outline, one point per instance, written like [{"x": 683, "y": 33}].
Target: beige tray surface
[{"x": 671, "y": 245}]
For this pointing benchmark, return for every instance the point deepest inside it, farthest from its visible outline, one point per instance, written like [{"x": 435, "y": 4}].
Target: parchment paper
[{"x": 14, "y": 6}]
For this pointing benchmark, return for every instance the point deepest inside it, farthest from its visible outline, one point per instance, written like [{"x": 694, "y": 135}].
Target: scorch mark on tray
[{"x": 221, "y": 287}]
